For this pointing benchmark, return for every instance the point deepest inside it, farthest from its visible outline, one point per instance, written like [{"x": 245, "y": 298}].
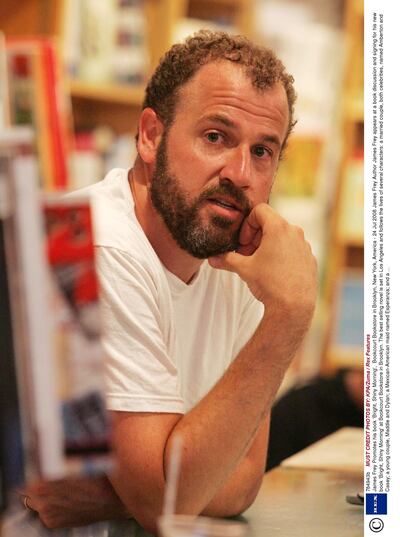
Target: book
[
  {"x": 75, "y": 327},
  {"x": 106, "y": 42},
  {"x": 55, "y": 325},
  {"x": 37, "y": 98},
  {"x": 4, "y": 97}
]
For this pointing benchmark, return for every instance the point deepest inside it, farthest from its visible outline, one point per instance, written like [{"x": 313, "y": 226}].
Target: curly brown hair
[{"x": 183, "y": 60}]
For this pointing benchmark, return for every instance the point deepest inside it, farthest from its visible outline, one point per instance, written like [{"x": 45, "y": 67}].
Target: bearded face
[{"x": 201, "y": 235}]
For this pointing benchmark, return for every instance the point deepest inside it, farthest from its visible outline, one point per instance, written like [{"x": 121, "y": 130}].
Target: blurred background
[{"x": 75, "y": 70}]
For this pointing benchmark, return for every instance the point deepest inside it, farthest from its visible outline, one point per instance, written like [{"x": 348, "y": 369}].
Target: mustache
[{"x": 228, "y": 189}]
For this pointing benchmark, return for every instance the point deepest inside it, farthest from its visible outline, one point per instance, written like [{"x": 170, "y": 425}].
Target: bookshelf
[
  {"x": 30, "y": 17},
  {"x": 118, "y": 105},
  {"x": 343, "y": 290},
  {"x": 113, "y": 93}
]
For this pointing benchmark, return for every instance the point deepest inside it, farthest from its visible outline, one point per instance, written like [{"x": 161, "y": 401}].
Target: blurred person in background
[{"x": 310, "y": 411}]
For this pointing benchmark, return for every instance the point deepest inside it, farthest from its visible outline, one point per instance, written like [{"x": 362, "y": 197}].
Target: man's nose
[{"x": 236, "y": 167}]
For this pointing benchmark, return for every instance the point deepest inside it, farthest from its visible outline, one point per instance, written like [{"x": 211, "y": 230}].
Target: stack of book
[
  {"x": 106, "y": 42},
  {"x": 56, "y": 423}
]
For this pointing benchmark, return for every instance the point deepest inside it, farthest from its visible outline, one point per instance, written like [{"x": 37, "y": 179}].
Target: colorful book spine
[{"x": 38, "y": 99}]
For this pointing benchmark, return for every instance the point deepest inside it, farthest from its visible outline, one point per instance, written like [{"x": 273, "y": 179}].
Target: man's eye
[
  {"x": 213, "y": 137},
  {"x": 261, "y": 151}
]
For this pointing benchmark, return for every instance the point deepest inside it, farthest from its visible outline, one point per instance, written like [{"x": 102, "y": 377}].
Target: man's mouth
[{"x": 225, "y": 203}]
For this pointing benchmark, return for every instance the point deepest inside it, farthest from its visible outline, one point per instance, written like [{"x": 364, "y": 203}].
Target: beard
[{"x": 182, "y": 217}]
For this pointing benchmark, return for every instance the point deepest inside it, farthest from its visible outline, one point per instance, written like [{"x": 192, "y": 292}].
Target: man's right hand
[{"x": 276, "y": 262}]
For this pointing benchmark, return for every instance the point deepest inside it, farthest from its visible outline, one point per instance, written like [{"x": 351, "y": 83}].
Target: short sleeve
[
  {"x": 140, "y": 372},
  {"x": 250, "y": 318}
]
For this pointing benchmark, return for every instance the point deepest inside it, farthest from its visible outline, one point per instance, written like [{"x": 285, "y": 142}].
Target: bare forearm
[
  {"x": 241, "y": 488},
  {"x": 277, "y": 265},
  {"x": 236, "y": 495},
  {"x": 243, "y": 397},
  {"x": 217, "y": 435}
]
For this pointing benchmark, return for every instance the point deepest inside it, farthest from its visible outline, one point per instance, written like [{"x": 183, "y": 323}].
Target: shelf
[
  {"x": 359, "y": 7},
  {"x": 112, "y": 93},
  {"x": 355, "y": 108},
  {"x": 350, "y": 357},
  {"x": 351, "y": 241},
  {"x": 223, "y": 3}
]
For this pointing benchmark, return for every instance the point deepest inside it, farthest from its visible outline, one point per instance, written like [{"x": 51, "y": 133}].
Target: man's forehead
[
  {"x": 215, "y": 74},
  {"x": 223, "y": 82},
  {"x": 221, "y": 76}
]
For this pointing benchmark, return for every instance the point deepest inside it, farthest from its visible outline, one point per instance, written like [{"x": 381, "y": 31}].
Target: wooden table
[{"x": 297, "y": 502}]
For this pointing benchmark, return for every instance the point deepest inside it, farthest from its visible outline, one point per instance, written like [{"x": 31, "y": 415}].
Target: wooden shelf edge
[
  {"x": 112, "y": 93},
  {"x": 351, "y": 241},
  {"x": 359, "y": 7},
  {"x": 355, "y": 108},
  {"x": 346, "y": 357},
  {"x": 227, "y": 3}
]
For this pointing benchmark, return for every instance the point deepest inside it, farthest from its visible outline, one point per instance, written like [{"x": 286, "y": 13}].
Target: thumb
[{"x": 231, "y": 261}]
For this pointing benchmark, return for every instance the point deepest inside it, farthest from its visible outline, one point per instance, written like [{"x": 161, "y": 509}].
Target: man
[{"x": 196, "y": 348}]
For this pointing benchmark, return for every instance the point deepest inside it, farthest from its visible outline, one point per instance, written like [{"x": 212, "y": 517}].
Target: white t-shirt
[{"x": 167, "y": 343}]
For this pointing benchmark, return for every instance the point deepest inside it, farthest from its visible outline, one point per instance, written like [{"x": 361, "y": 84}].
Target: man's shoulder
[
  {"x": 115, "y": 223},
  {"x": 108, "y": 185}
]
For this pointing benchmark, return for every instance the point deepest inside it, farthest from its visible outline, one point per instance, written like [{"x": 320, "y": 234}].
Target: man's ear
[{"x": 150, "y": 133}]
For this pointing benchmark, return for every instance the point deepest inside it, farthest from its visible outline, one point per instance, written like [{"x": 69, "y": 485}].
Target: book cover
[
  {"x": 56, "y": 328},
  {"x": 75, "y": 328}
]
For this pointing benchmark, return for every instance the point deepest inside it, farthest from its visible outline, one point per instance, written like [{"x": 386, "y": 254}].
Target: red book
[{"x": 49, "y": 107}]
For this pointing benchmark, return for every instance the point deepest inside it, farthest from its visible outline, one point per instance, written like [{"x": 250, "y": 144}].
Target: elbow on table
[
  {"x": 147, "y": 515},
  {"x": 248, "y": 499},
  {"x": 147, "y": 507},
  {"x": 147, "y": 520},
  {"x": 233, "y": 504},
  {"x": 143, "y": 504},
  {"x": 245, "y": 500}
]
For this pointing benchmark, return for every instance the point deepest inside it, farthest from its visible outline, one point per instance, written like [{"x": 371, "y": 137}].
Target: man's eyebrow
[
  {"x": 220, "y": 119},
  {"x": 271, "y": 138}
]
